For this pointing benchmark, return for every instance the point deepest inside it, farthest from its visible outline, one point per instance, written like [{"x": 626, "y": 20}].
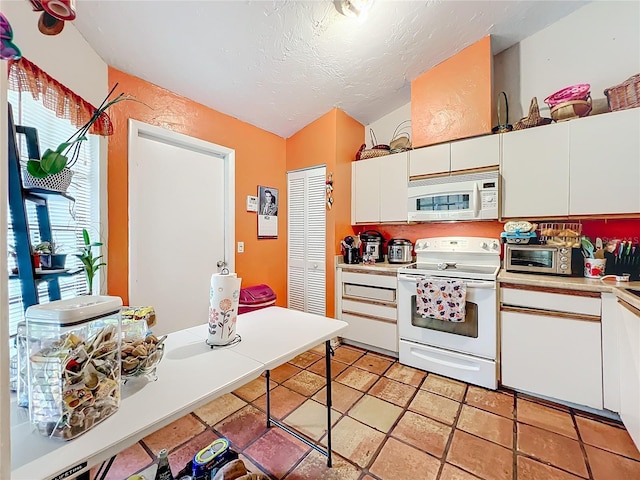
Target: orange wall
[
  {"x": 454, "y": 99},
  {"x": 331, "y": 140},
  {"x": 264, "y": 261},
  {"x": 607, "y": 229},
  {"x": 486, "y": 228}
]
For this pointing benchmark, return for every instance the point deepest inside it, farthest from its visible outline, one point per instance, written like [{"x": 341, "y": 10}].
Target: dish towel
[{"x": 441, "y": 299}]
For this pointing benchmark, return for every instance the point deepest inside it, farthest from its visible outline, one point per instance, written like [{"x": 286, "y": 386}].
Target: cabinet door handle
[{"x": 549, "y": 313}]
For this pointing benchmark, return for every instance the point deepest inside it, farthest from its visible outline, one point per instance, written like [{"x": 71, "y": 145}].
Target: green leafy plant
[
  {"x": 67, "y": 153},
  {"x": 47, "y": 248},
  {"x": 91, "y": 264}
]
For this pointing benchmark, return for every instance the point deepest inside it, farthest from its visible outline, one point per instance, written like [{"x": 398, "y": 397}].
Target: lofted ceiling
[{"x": 279, "y": 65}]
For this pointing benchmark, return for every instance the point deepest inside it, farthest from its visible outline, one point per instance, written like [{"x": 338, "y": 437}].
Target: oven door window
[
  {"x": 532, "y": 258},
  {"x": 468, "y": 328},
  {"x": 437, "y": 203}
]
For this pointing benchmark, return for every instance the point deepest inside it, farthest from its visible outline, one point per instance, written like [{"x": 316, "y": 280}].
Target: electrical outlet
[{"x": 240, "y": 247}]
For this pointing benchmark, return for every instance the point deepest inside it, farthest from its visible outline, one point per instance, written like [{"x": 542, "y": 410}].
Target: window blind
[{"x": 67, "y": 218}]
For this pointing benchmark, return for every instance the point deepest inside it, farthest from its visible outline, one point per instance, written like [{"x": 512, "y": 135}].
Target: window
[{"x": 67, "y": 218}]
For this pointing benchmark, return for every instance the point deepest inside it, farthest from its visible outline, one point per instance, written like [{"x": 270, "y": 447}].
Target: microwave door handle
[{"x": 477, "y": 201}]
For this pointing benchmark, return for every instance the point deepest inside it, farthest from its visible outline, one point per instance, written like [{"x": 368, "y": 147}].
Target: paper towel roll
[{"x": 224, "y": 296}]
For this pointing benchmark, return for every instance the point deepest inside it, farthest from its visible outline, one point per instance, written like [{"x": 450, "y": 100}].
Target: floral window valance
[{"x": 25, "y": 76}]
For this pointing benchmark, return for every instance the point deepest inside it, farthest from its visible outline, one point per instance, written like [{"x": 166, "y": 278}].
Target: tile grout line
[
  {"x": 581, "y": 443},
  {"x": 388, "y": 434},
  {"x": 447, "y": 446},
  {"x": 515, "y": 436}
]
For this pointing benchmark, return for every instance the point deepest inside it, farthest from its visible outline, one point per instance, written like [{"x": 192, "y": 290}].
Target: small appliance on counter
[
  {"x": 373, "y": 245},
  {"x": 399, "y": 250}
]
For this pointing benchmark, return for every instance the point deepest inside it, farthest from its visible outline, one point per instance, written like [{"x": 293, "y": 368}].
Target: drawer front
[
  {"x": 382, "y": 312},
  {"x": 370, "y": 279},
  {"x": 551, "y": 301},
  {"x": 371, "y": 332},
  {"x": 370, "y": 293}
]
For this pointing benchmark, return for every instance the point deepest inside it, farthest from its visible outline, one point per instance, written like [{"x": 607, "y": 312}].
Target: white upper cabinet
[
  {"x": 604, "y": 152},
  {"x": 379, "y": 189},
  {"x": 474, "y": 153},
  {"x": 393, "y": 188},
  {"x": 365, "y": 192},
  {"x": 535, "y": 172},
  {"x": 461, "y": 155},
  {"x": 430, "y": 160}
]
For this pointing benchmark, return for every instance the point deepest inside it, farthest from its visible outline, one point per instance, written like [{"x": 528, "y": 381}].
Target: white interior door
[
  {"x": 306, "y": 274},
  {"x": 180, "y": 223}
]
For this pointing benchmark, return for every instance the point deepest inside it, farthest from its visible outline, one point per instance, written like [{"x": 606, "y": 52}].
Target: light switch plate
[{"x": 240, "y": 247}]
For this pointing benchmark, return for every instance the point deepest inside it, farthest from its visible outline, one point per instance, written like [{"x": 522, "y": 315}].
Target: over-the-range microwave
[{"x": 473, "y": 196}]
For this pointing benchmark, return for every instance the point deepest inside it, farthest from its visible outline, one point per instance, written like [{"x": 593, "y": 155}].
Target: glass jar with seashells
[{"x": 141, "y": 356}]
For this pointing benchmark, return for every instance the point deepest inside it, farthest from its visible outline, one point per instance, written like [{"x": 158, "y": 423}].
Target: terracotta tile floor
[{"x": 392, "y": 422}]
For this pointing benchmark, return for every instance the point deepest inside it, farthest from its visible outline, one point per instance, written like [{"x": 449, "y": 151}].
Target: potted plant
[
  {"x": 59, "y": 161},
  {"x": 50, "y": 256},
  {"x": 91, "y": 264}
]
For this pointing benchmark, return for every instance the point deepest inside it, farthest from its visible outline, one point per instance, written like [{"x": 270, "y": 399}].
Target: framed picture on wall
[{"x": 267, "y": 212}]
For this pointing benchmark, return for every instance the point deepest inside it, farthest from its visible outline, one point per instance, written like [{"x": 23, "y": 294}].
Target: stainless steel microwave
[
  {"x": 473, "y": 196},
  {"x": 551, "y": 259}
]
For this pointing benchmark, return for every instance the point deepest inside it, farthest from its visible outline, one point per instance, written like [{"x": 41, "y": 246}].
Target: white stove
[{"x": 466, "y": 350}]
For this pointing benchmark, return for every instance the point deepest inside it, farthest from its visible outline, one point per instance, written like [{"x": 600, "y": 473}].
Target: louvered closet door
[{"x": 306, "y": 278}]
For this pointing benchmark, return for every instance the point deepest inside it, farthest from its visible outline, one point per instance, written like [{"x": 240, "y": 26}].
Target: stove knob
[
  {"x": 484, "y": 245},
  {"x": 495, "y": 246}
]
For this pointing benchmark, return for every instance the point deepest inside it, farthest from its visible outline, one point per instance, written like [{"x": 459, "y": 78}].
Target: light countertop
[
  {"x": 376, "y": 267},
  {"x": 574, "y": 283}
]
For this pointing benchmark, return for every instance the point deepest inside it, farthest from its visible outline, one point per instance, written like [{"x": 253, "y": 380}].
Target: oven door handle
[{"x": 471, "y": 284}]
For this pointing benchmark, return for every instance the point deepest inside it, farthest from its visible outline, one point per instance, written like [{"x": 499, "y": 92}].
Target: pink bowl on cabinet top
[{"x": 574, "y": 92}]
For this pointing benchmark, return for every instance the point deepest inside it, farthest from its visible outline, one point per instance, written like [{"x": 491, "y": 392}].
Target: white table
[{"x": 189, "y": 376}]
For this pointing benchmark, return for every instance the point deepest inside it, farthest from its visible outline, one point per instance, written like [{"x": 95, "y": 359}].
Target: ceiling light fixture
[{"x": 353, "y": 8}]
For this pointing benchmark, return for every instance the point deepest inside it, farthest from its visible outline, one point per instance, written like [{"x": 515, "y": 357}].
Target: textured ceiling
[{"x": 279, "y": 65}]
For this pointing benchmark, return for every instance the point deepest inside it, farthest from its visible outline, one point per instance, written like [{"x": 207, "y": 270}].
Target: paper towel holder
[{"x": 222, "y": 264}]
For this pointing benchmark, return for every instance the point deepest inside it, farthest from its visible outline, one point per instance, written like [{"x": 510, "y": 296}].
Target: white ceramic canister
[{"x": 224, "y": 296}]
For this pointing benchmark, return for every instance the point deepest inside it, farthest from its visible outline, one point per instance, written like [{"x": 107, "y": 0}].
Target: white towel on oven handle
[{"x": 441, "y": 299}]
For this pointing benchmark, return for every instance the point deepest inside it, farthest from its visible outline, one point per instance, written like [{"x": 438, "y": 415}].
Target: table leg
[
  {"x": 277, "y": 423},
  {"x": 267, "y": 376},
  {"x": 328, "y": 368}
]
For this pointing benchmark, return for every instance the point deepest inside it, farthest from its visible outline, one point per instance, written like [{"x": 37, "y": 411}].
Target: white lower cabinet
[
  {"x": 367, "y": 302},
  {"x": 550, "y": 353},
  {"x": 629, "y": 358}
]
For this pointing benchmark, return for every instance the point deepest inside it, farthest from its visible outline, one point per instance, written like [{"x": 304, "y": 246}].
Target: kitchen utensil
[{"x": 587, "y": 247}]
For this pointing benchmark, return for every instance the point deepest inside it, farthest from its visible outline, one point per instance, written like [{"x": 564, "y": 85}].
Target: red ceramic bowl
[{"x": 574, "y": 92}]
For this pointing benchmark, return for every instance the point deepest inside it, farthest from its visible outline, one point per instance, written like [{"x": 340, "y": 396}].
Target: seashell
[
  {"x": 130, "y": 363},
  {"x": 137, "y": 342},
  {"x": 140, "y": 351},
  {"x": 151, "y": 339},
  {"x": 127, "y": 349},
  {"x": 91, "y": 381}
]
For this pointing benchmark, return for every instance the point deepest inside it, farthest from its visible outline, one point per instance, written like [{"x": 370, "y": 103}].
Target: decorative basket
[
  {"x": 533, "y": 119},
  {"x": 575, "y": 92},
  {"x": 626, "y": 95},
  {"x": 365, "y": 153},
  {"x": 571, "y": 109},
  {"x": 58, "y": 182}
]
